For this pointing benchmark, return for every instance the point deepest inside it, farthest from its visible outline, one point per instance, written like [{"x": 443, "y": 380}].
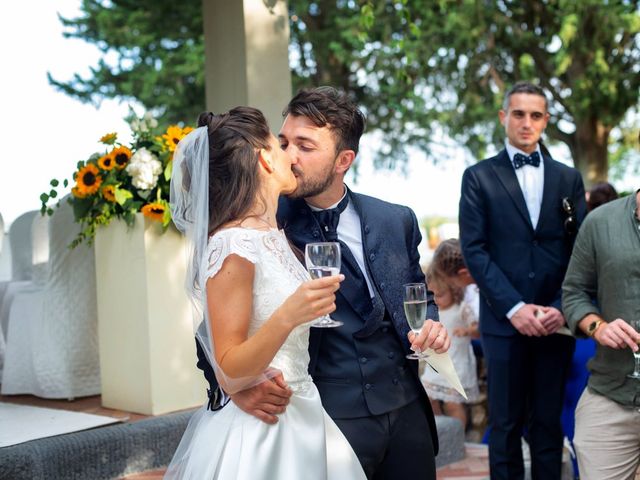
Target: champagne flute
[
  {"x": 323, "y": 260},
  {"x": 415, "y": 309},
  {"x": 636, "y": 355}
]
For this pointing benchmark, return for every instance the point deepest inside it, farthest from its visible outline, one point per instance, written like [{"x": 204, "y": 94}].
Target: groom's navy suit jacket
[
  {"x": 390, "y": 238},
  {"x": 509, "y": 259}
]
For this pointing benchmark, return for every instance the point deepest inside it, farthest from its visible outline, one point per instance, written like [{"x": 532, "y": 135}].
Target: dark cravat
[
  {"x": 329, "y": 218},
  {"x": 520, "y": 160}
]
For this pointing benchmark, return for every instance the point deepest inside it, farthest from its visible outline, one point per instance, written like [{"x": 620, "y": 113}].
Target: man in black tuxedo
[
  {"x": 367, "y": 386},
  {"x": 519, "y": 212}
]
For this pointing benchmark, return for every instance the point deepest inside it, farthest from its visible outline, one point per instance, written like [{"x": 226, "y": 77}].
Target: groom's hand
[
  {"x": 265, "y": 400},
  {"x": 433, "y": 335}
]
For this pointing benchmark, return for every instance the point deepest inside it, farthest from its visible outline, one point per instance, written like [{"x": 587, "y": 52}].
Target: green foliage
[
  {"x": 153, "y": 53},
  {"x": 419, "y": 68},
  {"x": 423, "y": 66}
]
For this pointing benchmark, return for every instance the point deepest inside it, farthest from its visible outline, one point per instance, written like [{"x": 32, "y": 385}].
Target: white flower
[
  {"x": 149, "y": 120},
  {"x": 144, "y": 168},
  {"x": 144, "y": 124}
]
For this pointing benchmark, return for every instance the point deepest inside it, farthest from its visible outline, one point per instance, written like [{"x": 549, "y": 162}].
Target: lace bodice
[{"x": 278, "y": 273}]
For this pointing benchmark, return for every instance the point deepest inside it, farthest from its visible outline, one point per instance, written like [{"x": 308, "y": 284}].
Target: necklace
[
  {"x": 264, "y": 219},
  {"x": 270, "y": 222}
]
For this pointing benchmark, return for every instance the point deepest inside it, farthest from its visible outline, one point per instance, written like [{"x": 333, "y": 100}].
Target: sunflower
[
  {"x": 88, "y": 180},
  {"x": 109, "y": 193},
  {"x": 121, "y": 155},
  {"x": 106, "y": 162},
  {"x": 109, "y": 138},
  {"x": 76, "y": 193},
  {"x": 174, "y": 135},
  {"x": 154, "y": 211}
]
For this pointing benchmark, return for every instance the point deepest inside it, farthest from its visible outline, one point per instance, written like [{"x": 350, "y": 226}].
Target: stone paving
[{"x": 475, "y": 466}]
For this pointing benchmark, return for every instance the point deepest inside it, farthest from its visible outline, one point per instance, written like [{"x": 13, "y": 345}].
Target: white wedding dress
[{"x": 231, "y": 444}]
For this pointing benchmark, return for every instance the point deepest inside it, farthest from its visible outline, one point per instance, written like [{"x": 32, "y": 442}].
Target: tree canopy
[{"x": 423, "y": 70}]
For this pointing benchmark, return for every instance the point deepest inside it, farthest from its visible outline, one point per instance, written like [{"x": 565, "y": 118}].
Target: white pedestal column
[{"x": 147, "y": 349}]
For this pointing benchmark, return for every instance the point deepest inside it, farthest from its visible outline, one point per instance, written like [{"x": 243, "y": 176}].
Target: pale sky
[{"x": 47, "y": 132}]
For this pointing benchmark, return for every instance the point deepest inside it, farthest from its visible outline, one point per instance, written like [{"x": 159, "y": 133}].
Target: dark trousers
[
  {"x": 393, "y": 445},
  {"x": 526, "y": 377}
]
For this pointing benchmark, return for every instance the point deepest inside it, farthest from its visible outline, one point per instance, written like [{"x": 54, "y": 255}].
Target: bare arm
[{"x": 230, "y": 299}]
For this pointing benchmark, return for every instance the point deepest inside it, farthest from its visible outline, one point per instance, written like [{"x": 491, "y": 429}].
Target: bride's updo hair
[{"x": 235, "y": 139}]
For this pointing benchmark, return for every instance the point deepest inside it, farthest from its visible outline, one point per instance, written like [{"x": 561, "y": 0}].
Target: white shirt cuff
[{"x": 514, "y": 309}]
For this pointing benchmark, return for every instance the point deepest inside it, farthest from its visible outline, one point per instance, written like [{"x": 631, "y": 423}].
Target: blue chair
[{"x": 576, "y": 383}]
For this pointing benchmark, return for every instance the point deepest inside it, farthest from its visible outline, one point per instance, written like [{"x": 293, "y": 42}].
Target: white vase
[{"x": 147, "y": 347}]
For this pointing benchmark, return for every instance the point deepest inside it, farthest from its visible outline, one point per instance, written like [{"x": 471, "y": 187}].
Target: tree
[
  {"x": 423, "y": 70},
  {"x": 153, "y": 53},
  {"x": 427, "y": 65}
]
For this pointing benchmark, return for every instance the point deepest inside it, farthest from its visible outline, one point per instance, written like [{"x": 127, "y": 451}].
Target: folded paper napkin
[{"x": 442, "y": 364}]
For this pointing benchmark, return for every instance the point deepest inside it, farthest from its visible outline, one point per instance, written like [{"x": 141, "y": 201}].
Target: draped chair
[
  {"x": 52, "y": 344},
  {"x": 5, "y": 275},
  {"x": 39, "y": 234},
  {"x": 40, "y": 249},
  {"x": 20, "y": 251},
  {"x": 21, "y": 246},
  {"x": 5, "y": 254}
]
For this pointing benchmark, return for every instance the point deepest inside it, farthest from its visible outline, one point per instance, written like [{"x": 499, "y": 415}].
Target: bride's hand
[
  {"x": 311, "y": 300},
  {"x": 265, "y": 400}
]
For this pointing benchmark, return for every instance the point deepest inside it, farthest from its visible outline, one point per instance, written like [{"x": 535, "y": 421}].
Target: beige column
[{"x": 247, "y": 61}]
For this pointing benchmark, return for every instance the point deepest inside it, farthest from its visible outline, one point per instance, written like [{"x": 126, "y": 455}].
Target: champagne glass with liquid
[
  {"x": 415, "y": 309},
  {"x": 323, "y": 260},
  {"x": 636, "y": 355}
]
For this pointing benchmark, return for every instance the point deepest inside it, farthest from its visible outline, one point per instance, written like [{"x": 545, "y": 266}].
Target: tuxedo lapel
[
  {"x": 373, "y": 240},
  {"x": 370, "y": 242},
  {"x": 507, "y": 176},
  {"x": 549, "y": 192}
]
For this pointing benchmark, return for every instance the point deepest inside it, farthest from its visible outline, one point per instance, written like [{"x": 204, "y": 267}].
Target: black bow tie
[
  {"x": 520, "y": 160},
  {"x": 329, "y": 218}
]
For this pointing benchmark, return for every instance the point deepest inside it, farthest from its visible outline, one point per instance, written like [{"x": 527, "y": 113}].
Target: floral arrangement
[{"x": 123, "y": 180}]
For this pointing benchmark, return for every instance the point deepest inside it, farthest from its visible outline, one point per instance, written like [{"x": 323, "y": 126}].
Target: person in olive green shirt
[{"x": 605, "y": 265}]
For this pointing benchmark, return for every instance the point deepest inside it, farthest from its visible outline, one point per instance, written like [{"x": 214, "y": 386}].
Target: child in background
[
  {"x": 448, "y": 262},
  {"x": 458, "y": 319}
]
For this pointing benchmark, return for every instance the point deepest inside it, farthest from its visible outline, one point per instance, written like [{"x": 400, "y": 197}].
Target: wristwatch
[{"x": 593, "y": 326}]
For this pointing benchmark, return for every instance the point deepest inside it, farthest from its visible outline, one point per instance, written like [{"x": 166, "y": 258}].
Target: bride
[{"x": 257, "y": 301}]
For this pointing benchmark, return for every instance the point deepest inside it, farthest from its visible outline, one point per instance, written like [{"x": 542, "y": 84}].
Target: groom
[{"x": 367, "y": 386}]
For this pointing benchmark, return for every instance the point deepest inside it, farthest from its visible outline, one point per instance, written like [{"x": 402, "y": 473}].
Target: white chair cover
[
  {"x": 20, "y": 267},
  {"x": 52, "y": 344},
  {"x": 5, "y": 257},
  {"x": 1, "y": 232},
  {"x": 5, "y": 274},
  {"x": 40, "y": 246},
  {"x": 21, "y": 246}
]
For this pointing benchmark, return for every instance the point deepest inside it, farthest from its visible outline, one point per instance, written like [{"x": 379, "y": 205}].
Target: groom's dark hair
[{"x": 330, "y": 107}]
